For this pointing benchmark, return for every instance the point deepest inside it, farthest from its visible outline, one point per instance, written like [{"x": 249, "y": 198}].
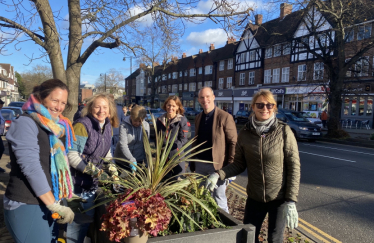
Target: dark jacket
[
  {"x": 121, "y": 118},
  {"x": 272, "y": 162},
  {"x": 77, "y": 114},
  {"x": 177, "y": 125},
  {"x": 224, "y": 138}
]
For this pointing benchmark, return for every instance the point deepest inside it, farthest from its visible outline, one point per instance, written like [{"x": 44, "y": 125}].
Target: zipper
[{"x": 262, "y": 165}]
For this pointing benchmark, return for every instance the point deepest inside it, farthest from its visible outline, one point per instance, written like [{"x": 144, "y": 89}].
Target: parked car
[
  {"x": 17, "y": 110},
  {"x": 242, "y": 116},
  {"x": 148, "y": 118},
  {"x": 9, "y": 116},
  {"x": 300, "y": 126},
  {"x": 188, "y": 111},
  {"x": 316, "y": 121},
  {"x": 16, "y": 103}
]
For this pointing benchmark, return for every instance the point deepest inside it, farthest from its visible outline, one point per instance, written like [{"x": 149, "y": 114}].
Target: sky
[{"x": 195, "y": 37}]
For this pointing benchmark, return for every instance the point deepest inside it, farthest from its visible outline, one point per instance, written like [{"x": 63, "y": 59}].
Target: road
[{"x": 336, "y": 198}]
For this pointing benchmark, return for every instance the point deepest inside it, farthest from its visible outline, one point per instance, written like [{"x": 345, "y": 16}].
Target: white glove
[
  {"x": 290, "y": 215},
  {"x": 66, "y": 215},
  {"x": 211, "y": 182}
]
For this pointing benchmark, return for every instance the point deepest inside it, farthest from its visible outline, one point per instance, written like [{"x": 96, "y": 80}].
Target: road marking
[
  {"x": 313, "y": 233},
  {"x": 237, "y": 188},
  {"x": 327, "y": 156},
  {"x": 338, "y": 149},
  {"x": 320, "y": 231}
]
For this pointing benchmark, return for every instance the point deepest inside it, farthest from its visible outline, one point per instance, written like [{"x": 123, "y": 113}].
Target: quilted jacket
[{"x": 272, "y": 162}]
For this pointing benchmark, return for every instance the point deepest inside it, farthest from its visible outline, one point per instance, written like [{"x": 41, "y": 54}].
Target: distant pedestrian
[
  {"x": 2, "y": 126},
  {"x": 121, "y": 118},
  {"x": 124, "y": 109},
  {"x": 324, "y": 117},
  {"x": 77, "y": 114}
]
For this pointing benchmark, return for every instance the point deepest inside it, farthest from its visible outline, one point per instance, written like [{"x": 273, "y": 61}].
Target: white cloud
[
  {"x": 217, "y": 37},
  {"x": 146, "y": 20}
]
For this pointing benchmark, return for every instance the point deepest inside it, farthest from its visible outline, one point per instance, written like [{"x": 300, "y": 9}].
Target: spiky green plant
[{"x": 153, "y": 176}]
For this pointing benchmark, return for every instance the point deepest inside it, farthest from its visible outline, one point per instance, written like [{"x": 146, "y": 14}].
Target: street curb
[
  {"x": 352, "y": 142},
  {"x": 308, "y": 235}
]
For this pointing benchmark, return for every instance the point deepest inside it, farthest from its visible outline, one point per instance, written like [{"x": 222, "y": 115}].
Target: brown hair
[
  {"x": 138, "y": 112},
  {"x": 267, "y": 95},
  {"x": 112, "y": 108},
  {"x": 177, "y": 101},
  {"x": 43, "y": 90}
]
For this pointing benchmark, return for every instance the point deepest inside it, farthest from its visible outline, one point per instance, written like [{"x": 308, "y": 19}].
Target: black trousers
[
  {"x": 1, "y": 147},
  {"x": 255, "y": 213}
]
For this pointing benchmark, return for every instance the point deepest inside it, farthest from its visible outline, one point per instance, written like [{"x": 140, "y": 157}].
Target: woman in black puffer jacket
[{"x": 173, "y": 122}]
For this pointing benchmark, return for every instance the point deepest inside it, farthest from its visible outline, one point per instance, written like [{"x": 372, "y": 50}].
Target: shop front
[
  {"x": 188, "y": 99},
  {"x": 223, "y": 100},
  {"x": 242, "y": 99},
  {"x": 358, "y": 103}
]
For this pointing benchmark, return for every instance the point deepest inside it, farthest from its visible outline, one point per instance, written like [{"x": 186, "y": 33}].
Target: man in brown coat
[{"x": 217, "y": 129}]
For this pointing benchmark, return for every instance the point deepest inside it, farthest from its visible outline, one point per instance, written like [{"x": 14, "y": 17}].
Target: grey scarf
[{"x": 263, "y": 126}]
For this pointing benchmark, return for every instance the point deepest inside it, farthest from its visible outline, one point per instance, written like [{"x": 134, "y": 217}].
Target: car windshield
[
  {"x": 7, "y": 114},
  {"x": 296, "y": 116},
  {"x": 306, "y": 115}
]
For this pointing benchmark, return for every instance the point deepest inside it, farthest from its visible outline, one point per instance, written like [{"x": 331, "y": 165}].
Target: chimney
[
  {"x": 285, "y": 9},
  {"x": 184, "y": 55},
  {"x": 211, "y": 48},
  {"x": 200, "y": 51},
  {"x": 175, "y": 58},
  {"x": 142, "y": 66},
  {"x": 230, "y": 40},
  {"x": 155, "y": 64},
  {"x": 258, "y": 19}
]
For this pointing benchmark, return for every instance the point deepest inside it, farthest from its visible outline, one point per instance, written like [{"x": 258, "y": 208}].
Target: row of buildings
[
  {"x": 8, "y": 84},
  {"x": 266, "y": 57}
]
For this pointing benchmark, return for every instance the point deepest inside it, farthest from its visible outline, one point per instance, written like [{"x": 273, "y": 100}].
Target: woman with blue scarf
[{"x": 40, "y": 175}]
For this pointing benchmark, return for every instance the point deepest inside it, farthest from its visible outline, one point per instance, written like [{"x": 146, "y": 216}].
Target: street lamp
[
  {"x": 104, "y": 81},
  {"x": 124, "y": 59}
]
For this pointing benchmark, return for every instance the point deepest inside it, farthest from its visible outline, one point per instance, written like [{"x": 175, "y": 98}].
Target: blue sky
[{"x": 196, "y": 37}]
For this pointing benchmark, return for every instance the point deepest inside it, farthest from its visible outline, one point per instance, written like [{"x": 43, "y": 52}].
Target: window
[
  {"x": 180, "y": 87},
  {"x": 159, "y": 89},
  {"x": 276, "y": 73},
  {"x": 164, "y": 77},
  {"x": 364, "y": 32},
  {"x": 175, "y": 75},
  {"x": 208, "y": 83},
  {"x": 301, "y": 72},
  {"x": 185, "y": 86},
  {"x": 242, "y": 79},
  {"x": 169, "y": 75},
  {"x": 192, "y": 87},
  {"x": 285, "y": 75},
  {"x": 208, "y": 69},
  {"x": 267, "y": 79},
  {"x": 349, "y": 71},
  {"x": 175, "y": 88},
  {"x": 362, "y": 67},
  {"x": 230, "y": 63},
  {"x": 192, "y": 72},
  {"x": 286, "y": 49},
  {"x": 185, "y": 73},
  {"x": 277, "y": 50},
  {"x": 268, "y": 52},
  {"x": 221, "y": 65},
  {"x": 354, "y": 106},
  {"x": 164, "y": 88},
  {"x": 229, "y": 83},
  {"x": 199, "y": 85},
  {"x": 200, "y": 70},
  {"x": 318, "y": 71},
  {"x": 149, "y": 91},
  {"x": 252, "y": 55},
  {"x": 243, "y": 57},
  {"x": 169, "y": 88},
  {"x": 180, "y": 73},
  {"x": 349, "y": 35},
  {"x": 251, "y": 79},
  {"x": 220, "y": 83}
]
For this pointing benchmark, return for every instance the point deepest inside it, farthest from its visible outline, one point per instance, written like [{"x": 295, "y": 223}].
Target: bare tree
[
  {"x": 35, "y": 76},
  {"x": 111, "y": 81},
  {"x": 103, "y": 24}
]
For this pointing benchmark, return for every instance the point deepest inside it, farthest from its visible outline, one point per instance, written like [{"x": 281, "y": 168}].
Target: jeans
[
  {"x": 255, "y": 213},
  {"x": 31, "y": 223},
  {"x": 219, "y": 193},
  {"x": 76, "y": 232}
]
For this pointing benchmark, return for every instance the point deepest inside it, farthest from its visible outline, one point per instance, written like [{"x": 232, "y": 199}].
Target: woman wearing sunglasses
[{"x": 267, "y": 148}]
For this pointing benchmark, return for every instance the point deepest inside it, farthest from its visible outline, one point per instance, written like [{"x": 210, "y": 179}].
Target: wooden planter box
[{"x": 238, "y": 232}]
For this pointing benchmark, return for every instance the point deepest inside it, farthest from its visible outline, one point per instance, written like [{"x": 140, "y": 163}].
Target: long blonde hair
[{"x": 113, "y": 118}]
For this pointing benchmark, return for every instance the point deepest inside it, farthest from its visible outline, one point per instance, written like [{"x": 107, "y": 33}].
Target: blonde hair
[
  {"x": 138, "y": 112},
  {"x": 113, "y": 118},
  {"x": 177, "y": 102},
  {"x": 267, "y": 95}
]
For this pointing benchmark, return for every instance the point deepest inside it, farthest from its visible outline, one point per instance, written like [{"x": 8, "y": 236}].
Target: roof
[{"x": 223, "y": 53}]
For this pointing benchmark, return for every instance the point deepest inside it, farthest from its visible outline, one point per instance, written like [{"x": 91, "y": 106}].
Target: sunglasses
[{"x": 261, "y": 106}]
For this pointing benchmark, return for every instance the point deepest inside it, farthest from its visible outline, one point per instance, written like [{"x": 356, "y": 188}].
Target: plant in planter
[{"x": 151, "y": 182}]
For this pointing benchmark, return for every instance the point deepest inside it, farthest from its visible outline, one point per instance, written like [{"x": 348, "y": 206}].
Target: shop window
[
  {"x": 190, "y": 103},
  {"x": 361, "y": 107},
  {"x": 346, "y": 106},
  {"x": 354, "y": 106},
  {"x": 369, "y": 106}
]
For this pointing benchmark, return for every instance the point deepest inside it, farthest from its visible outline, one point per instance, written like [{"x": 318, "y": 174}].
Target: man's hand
[
  {"x": 95, "y": 172},
  {"x": 211, "y": 182},
  {"x": 65, "y": 213},
  {"x": 290, "y": 214}
]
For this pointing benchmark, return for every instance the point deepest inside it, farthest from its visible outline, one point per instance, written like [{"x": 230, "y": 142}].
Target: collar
[
  {"x": 96, "y": 123},
  {"x": 210, "y": 114},
  {"x": 162, "y": 119}
]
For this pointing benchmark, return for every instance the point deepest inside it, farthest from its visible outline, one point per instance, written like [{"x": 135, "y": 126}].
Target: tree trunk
[
  {"x": 73, "y": 74},
  {"x": 335, "y": 105}
]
